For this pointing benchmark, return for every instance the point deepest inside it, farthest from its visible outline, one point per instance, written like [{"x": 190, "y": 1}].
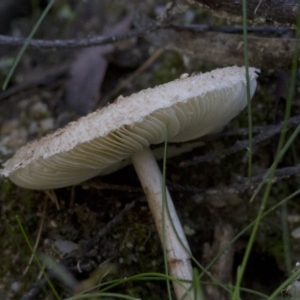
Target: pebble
[
  {"x": 47, "y": 125},
  {"x": 296, "y": 233}
]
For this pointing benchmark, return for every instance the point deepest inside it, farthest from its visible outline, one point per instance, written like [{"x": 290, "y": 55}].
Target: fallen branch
[
  {"x": 76, "y": 43},
  {"x": 242, "y": 185},
  {"x": 169, "y": 14},
  {"x": 241, "y": 145},
  {"x": 109, "y": 226}
]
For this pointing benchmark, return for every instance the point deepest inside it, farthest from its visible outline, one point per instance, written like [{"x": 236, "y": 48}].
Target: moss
[
  {"x": 6, "y": 188},
  {"x": 170, "y": 68},
  {"x": 15, "y": 251},
  {"x": 275, "y": 248}
]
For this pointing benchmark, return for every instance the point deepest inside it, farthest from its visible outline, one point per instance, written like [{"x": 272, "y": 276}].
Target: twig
[
  {"x": 34, "y": 292},
  {"x": 170, "y": 12},
  {"x": 36, "y": 289},
  {"x": 52, "y": 196},
  {"x": 241, "y": 145},
  {"x": 221, "y": 270},
  {"x": 104, "y": 40},
  {"x": 76, "y": 43},
  {"x": 279, "y": 174},
  {"x": 117, "y": 219},
  {"x": 256, "y": 8},
  {"x": 261, "y": 30},
  {"x": 242, "y": 183},
  {"x": 96, "y": 184}
]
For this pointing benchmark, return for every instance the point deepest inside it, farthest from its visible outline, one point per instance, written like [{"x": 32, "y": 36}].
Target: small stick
[{"x": 117, "y": 219}]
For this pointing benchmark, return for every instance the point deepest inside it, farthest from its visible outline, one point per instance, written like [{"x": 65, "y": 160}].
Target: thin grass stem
[
  {"x": 164, "y": 207},
  {"x": 36, "y": 258},
  {"x": 285, "y": 239},
  {"x": 281, "y": 149},
  {"x": 24, "y": 47},
  {"x": 246, "y": 62}
]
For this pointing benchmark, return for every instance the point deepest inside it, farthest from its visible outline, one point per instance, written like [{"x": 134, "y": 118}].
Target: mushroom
[{"x": 103, "y": 141}]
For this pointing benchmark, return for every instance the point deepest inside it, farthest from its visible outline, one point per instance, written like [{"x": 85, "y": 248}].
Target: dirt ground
[{"x": 102, "y": 229}]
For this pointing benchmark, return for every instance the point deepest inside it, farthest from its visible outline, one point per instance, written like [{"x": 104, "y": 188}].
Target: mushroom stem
[{"x": 175, "y": 242}]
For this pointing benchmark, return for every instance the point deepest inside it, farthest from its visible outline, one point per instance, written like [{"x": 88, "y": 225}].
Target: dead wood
[
  {"x": 227, "y": 49},
  {"x": 259, "y": 11},
  {"x": 221, "y": 269}
]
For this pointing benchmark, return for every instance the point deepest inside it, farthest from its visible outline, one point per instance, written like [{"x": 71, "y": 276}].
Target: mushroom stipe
[{"x": 121, "y": 133}]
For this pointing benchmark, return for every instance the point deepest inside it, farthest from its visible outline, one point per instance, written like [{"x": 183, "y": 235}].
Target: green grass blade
[
  {"x": 246, "y": 62},
  {"x": 281, "y": 149},
  {"x": 285, "y": 239},
  {"x": 164, "y": 208},
  {"x": 36, "y": 258},
  {"x": 24, "y": 47},
  {"x": 279, "y": 290},
  {"x": 248, "y": 227}
]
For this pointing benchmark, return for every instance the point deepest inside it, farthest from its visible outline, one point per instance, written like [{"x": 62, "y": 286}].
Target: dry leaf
[{"x": 82, "y": 90}]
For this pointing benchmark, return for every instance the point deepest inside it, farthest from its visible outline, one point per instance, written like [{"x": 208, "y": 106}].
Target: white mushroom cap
[{"x": 102, "y": 141}]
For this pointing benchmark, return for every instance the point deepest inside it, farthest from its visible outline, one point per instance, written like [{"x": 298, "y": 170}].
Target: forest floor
[{"x": 102, "y": 229}]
